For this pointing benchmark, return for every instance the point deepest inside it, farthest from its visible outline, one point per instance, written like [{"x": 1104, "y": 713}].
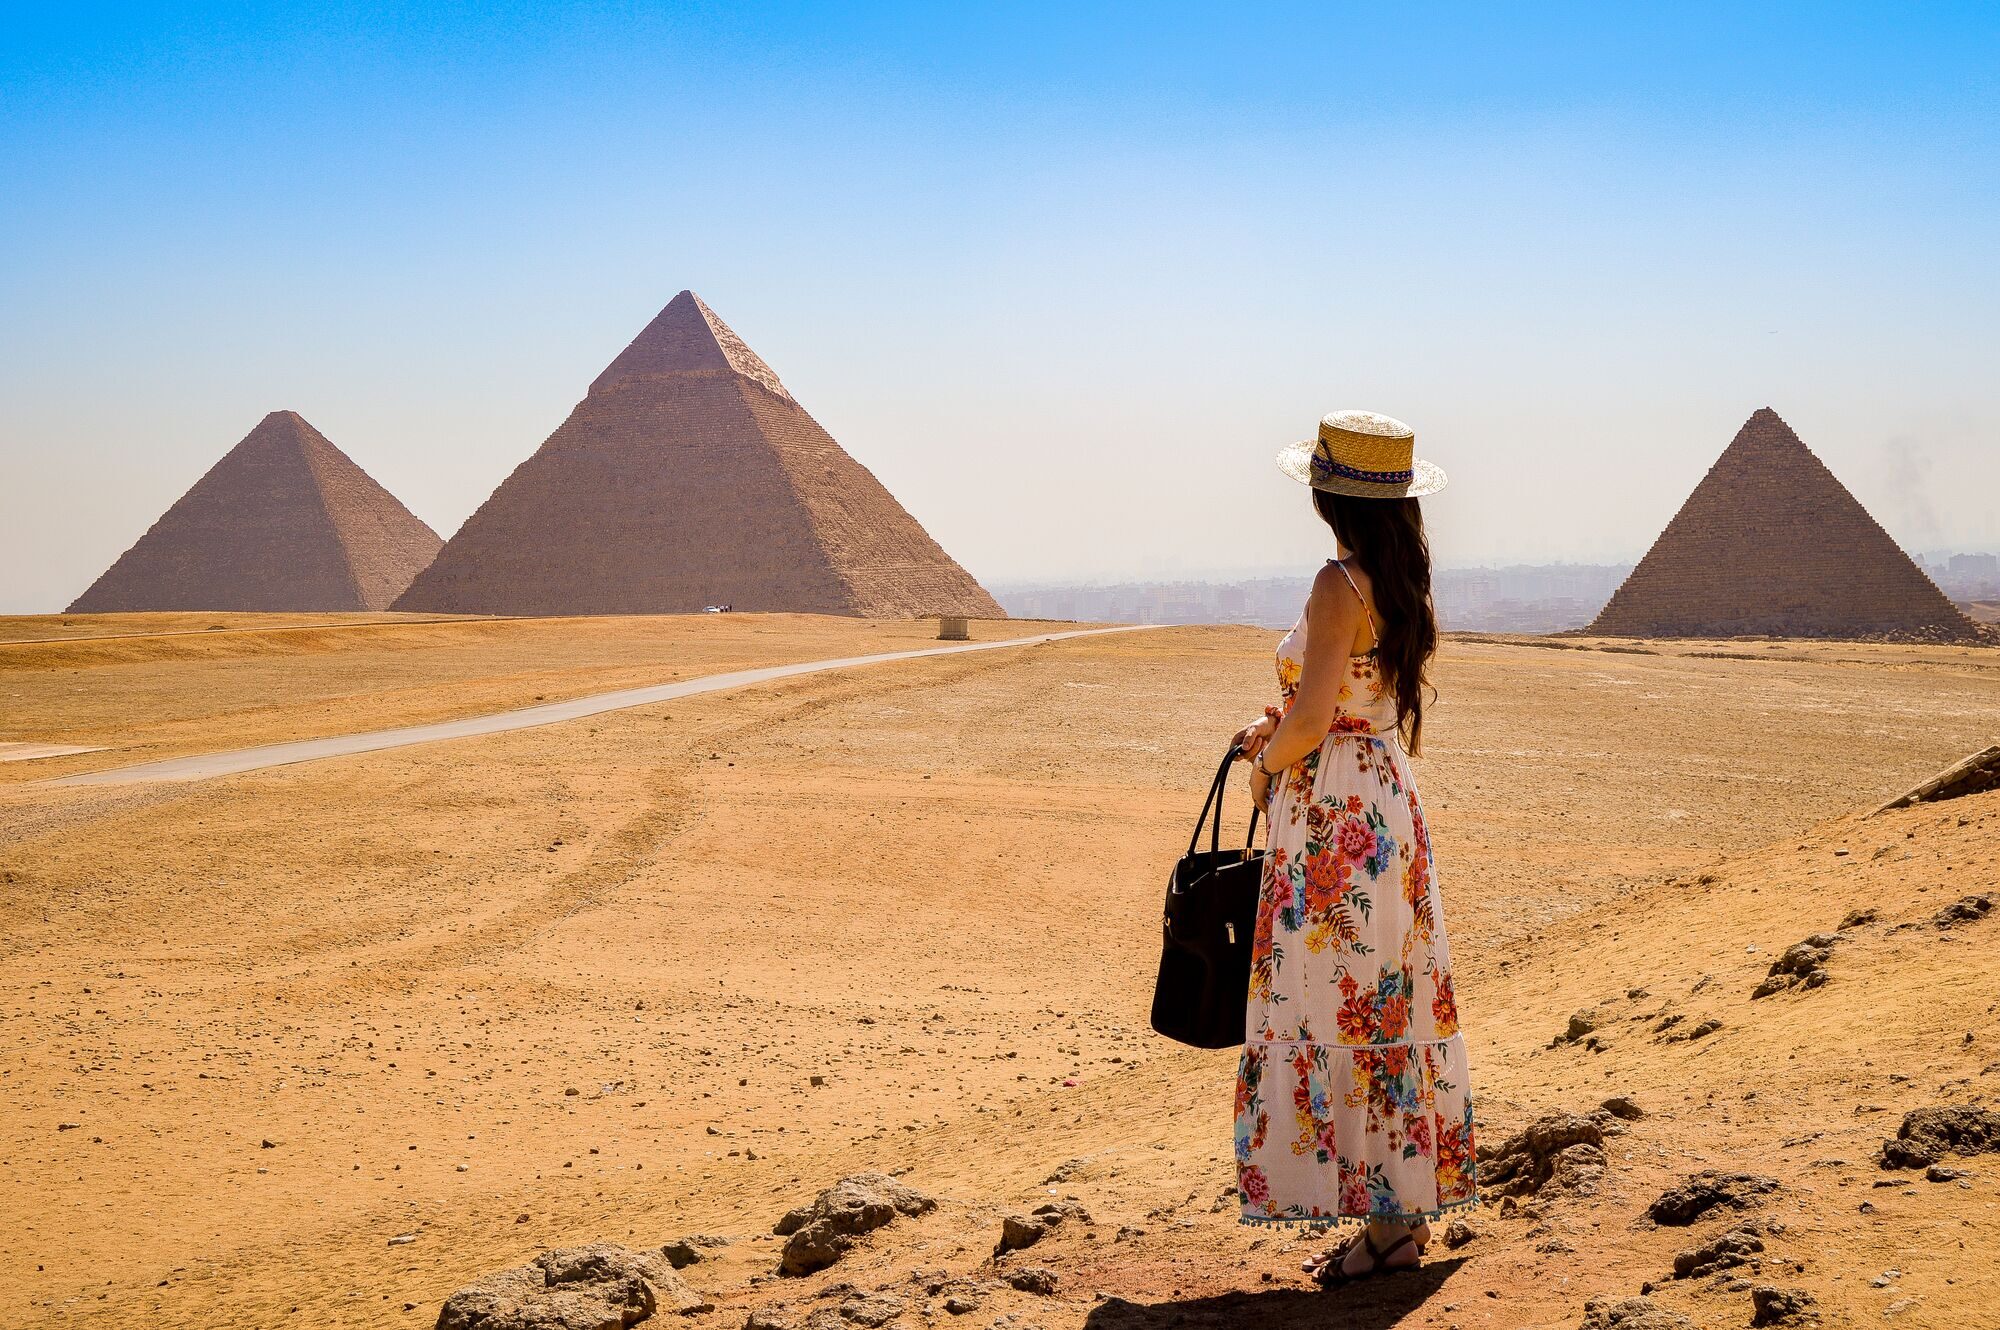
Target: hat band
[{"x": 1323, "y": 466}]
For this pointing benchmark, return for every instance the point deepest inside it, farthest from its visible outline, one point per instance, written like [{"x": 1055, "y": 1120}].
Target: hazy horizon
[{"x": 1064, "y": 280}]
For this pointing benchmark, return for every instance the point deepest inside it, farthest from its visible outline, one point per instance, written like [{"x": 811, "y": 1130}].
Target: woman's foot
[
  {"x": 1340, "y": 1251},
  {"x": 1383, "y": 1249}
]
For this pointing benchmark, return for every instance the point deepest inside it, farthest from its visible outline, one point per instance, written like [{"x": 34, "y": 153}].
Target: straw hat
[{"x": 1362, "y": 454}]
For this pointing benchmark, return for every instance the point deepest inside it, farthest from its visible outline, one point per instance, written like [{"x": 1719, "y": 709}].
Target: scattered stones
[
  {"x": 1561, "y": 1150},
  {"x": 870, "y": 1310},
  {"x": 573, "y": 1288},
  {"x": 1033, "y": 1279},
  {"x": 1707, "y": 1190},
  {"x": 1676, "y": 1028},
  {"x": 1631, "y": 1314},
  {"x": 1967, "y": 910},
  {"x": 1018, "y": 1231},
  {"x": 821, "y": 1233},
  {"x": 684, "y": 1252},
  {"x": 1722, "y": 1252},
  {"x": 1929, "y": 1134},
  {"x": 1457, "y": 1233},
  {"x": 1771, "y": 1305},
  {"x": 1803, "y": 964}
]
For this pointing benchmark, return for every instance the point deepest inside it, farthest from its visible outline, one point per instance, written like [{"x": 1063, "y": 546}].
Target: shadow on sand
[{"x": 1373, "y": 1304}]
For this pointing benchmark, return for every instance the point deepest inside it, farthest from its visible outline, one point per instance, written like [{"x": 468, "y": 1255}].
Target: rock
[
  {"x": 1707, "y": 1190},
  {"x": 1018, "y": 1231},
  {"x": 1576, "y": 1168},
  {"x": 1622, "y": 1106},
  {"x": 1457, "y": 1233},
  {"x": 1722, "y": 1252},
  {"x": 1969, "y": 909},
  {"x": 1929, "y": 1134},
  {"x": 1943, "y": 1173},
  {"x": 1581, "y": 1023},
  {"x": 1804, "y": 963},
  {"x": 871, "y": 1309},
  {"x": 1526, "y": 1162},
  {"x": 1033, "y": 1279},
  {"x": 1770, "y": 1305},
  {"x": 597, "y": 1287},
  {"x": 1631, "y": 1314},
  {"x": 764, "y": 1318},
  {"x": 958, "y": 1304},
  {"x": 1855, "y": 918},
  {"x": 826, "y": 1230},
  {"x": 684, "y": 1252}
]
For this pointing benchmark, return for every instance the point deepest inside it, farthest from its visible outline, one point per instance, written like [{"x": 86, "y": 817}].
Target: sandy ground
[{"x": 578, "y": 983}]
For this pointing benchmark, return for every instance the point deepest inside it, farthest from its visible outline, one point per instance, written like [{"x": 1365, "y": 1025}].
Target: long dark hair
[{"x": 1387, "y": 538}]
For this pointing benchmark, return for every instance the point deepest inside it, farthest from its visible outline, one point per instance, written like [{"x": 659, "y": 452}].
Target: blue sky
[{"x": 1063, "y": 276}]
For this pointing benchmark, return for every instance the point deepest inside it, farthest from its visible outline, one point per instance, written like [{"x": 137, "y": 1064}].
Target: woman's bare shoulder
[{"x": 1333, "y": 594}]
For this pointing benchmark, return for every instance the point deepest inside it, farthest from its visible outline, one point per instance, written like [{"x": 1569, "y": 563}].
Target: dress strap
[{"x": 1373, "y": 632}]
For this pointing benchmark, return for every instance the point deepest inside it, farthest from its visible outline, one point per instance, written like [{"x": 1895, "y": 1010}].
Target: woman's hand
[{"x": 1252, "y": 737}]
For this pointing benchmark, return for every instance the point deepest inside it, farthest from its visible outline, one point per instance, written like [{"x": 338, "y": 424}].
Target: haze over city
[{"x": 1063, "y": 280}]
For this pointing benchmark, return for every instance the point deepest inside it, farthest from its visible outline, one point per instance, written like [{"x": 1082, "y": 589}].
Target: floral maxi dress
[{"x": 1351, "y": 1096}]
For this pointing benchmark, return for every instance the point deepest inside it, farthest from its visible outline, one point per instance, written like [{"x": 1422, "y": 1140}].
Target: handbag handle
[{"x": 1216, "y": 789}]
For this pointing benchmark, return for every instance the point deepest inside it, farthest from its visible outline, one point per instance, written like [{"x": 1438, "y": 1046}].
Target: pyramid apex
[{"x": 686, "y": 337}]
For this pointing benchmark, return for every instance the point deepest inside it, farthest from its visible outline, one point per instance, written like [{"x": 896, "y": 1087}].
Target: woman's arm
[{"x": 1333, "y": 617}]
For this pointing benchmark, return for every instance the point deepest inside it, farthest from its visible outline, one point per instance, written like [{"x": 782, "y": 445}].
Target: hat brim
[{"x": 1295, "y": 460}]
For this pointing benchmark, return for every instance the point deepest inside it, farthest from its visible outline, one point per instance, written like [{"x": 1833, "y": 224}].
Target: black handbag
[{"x": 1211, "y": 914}]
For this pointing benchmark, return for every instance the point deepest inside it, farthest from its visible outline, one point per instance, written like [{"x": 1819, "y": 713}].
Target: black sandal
[
  {"x": 1332, "y": 1275},
  {"x": 1337, "y": 1253}
]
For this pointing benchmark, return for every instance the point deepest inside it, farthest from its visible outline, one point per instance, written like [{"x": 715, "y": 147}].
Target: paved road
[{"x": 206, "y": 765}]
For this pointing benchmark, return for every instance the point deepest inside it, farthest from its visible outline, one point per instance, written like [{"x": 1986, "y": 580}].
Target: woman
[{"x": 1351, "y": 1097}]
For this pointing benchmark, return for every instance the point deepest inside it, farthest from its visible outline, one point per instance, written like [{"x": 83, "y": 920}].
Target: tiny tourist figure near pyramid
[{"x": 1352, "y": 1096}]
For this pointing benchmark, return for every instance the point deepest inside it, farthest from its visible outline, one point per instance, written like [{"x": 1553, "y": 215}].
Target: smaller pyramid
[
  {"x": 285, "y": 521},
  {"x": 1772, "y": 544}
]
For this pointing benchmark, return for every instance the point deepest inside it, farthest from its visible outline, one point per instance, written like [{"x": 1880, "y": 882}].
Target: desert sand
[{"x": 319, "y": 1045}]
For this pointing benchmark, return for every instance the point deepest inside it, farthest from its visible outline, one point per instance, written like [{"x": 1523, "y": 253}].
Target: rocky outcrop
[
  {"x": 1631, "y": 1314},
  {"x": 1803, "y": 964},
  {"x": 1770, "y": 1305},
  {"x": 1709, "y": 1190},
  {"x": 1018, "y": 1231},
  {"x": 1724, "y": 1251},
  {"x": 1966, "y": 910},
  {"x": 1562, "y": 1152},
  {"x": 1929, "y": 1134},
  {"x": 819, "y": 1234},
  {"x": 598, "y": 1287}
]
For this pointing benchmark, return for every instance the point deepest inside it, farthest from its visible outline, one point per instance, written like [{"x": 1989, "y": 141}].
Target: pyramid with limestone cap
[
  {"x": 689, "y": 477},
  {"x": 285, "y": 521},
  {"x": 1771, "y": 543}
]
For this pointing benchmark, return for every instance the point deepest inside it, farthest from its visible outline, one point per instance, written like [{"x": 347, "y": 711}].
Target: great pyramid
[
  {"x": 285, "y": 521},
  {"x": 688, "y": 477},
  {"x": 1770, "y": 543}
]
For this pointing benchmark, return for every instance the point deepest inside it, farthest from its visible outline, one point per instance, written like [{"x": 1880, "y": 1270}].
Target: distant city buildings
[{"x": 1521, "y": 598}]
